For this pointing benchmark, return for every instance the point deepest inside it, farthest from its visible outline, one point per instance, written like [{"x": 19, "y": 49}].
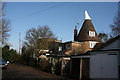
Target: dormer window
[{"x": 92, "y": 33}]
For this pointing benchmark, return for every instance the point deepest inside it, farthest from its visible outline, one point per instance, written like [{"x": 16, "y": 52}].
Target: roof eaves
[{"x": 102, "y": 45}]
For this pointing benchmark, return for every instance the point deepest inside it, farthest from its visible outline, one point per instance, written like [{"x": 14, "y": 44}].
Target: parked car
[{"x": 3, "y": 63}]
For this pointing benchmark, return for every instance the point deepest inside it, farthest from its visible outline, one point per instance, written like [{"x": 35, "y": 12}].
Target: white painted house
[
  {"x": 105, "y": 62},
  {"x": 102, "y": 62}
]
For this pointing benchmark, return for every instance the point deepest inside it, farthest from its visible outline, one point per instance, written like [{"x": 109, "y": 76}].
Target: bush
[
  {"x": 56, "y": 66},
  {"x": 9, "y": 54}
]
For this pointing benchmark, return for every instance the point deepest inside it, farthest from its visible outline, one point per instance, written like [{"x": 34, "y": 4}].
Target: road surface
[{"x": 20, "y": 72}]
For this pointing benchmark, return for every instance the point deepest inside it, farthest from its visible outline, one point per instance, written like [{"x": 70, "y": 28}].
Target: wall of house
[
  {"x": 103, "y": 65},
  {"x": 85, "y": 47},
  {"x": 56, "y": 48},
  {"x": 72, "y": 48},
  {"x": 114, "y": 45},
  {"x": 77, "y": 48}
]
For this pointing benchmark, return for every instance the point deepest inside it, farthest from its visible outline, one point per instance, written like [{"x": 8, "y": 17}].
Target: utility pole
[{"x": 19, "y": 44}]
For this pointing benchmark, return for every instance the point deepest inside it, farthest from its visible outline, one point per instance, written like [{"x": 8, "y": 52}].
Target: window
[
  {"x": 92, "y": 44},
  {"x": 68, "y": 46},
  {"x": 60, "y": 48},
  {"x": 91, "y": 33}
]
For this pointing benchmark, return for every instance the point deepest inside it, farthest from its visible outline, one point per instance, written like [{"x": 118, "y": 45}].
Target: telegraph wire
[{"x": 41, "y": 11}]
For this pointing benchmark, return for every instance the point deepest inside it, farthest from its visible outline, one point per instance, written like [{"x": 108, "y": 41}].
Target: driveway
[{"x": 15, "y": 72}]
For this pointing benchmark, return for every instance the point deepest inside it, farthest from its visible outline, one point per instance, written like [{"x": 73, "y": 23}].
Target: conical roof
[
  {"x": 84, "y": 31},
  {"x": 87, "y": 17}
]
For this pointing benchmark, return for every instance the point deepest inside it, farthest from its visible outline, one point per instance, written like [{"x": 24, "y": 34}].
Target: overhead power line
[{"x": 43, "y": 10}]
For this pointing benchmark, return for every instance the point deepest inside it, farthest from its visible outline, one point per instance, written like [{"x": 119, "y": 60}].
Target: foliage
[
  {"x": 103, "y": 37},
  {"x": 51, "y": 66},
  {"x": 115, "y": 27},
  {"x": 56, "y": 66},
  {"x": 44, "y": 65},
  {"x": 9, "y": 54},
  {"x": 27, "y": 56}
]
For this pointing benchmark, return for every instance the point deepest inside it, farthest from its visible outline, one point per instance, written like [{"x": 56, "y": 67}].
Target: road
[{"x": 20, "y": 72}]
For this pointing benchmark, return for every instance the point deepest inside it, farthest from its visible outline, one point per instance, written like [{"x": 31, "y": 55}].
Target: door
[{"x": 103, "y": 66}]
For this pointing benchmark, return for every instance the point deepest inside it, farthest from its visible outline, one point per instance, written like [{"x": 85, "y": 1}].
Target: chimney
[{"x": 75, "y": 33}]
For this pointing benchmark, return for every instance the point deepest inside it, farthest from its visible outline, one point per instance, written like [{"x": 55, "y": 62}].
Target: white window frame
[
  {"x": 60, "y": 48},
  {"x": 92, "y": 33},
  {"x": 92, "y": 44}
]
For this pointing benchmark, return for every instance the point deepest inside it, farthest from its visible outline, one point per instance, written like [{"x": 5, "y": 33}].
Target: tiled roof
[
  {"x": 99, "y": 46},
  {"x": 84, "y": 32}
]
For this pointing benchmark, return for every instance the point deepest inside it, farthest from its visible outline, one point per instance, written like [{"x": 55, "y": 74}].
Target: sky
[{"x": 61, "y": 17}]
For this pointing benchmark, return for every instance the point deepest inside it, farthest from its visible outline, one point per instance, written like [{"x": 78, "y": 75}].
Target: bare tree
[
  {"x": 4, "y": 24},
  {"x": 115, "y": 27},
  {"x": 39, "y": 37},
  {"x": 5, "y": 30},
  {"x": 103, "y": 37}
]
